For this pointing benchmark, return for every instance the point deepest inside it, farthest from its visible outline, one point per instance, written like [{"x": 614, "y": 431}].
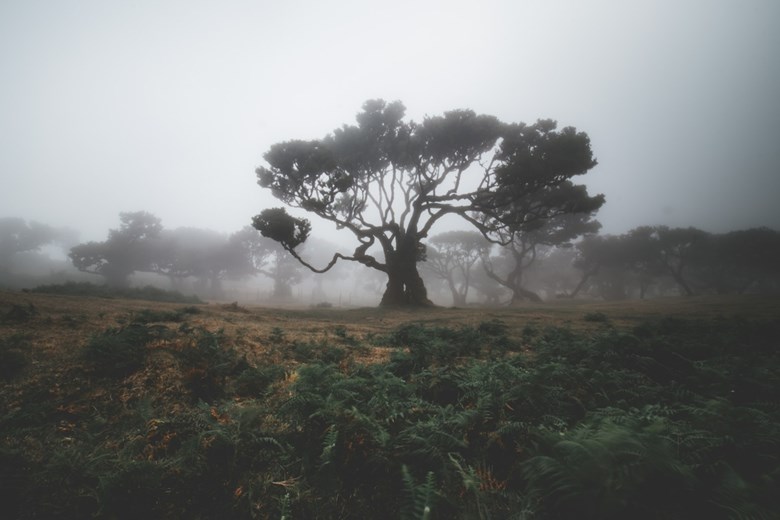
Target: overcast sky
[{"x": 168, "y": 106}]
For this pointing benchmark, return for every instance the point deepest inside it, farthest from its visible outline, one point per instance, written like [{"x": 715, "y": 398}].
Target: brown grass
[
  {"x": 64, "y": 323},
  {"x": 65, "y": 320}
]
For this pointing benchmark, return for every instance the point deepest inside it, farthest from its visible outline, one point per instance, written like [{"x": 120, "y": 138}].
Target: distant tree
[
  {"x": 127, "y": 249},
  {"x": 18, "y": 236},
  {"x": 451, "y": 256},
  {"x": 491, "y": 293},
  {"x": 740, "y": 261},
  {"x": 389, "y": 181},
  {"x": 602, "y": 259},
  {"x": 269, "y": 258},
  {"x": 553, "y": 270},
  {"x": 679, "y": 250},
  {"x": 523, "y": 245},
  {"x": 641, "y": 257},
  {"x": 617, "y": 263},
  {"x": 185, "y": 252}
]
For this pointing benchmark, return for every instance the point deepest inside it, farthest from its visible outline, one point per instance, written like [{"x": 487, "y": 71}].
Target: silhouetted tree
[
  {"x": 603, "y": 263},
  {"x": 679, "y": 249},
  {"x": 522, "y": 247},
  {"x": 740, "y": 261},
  {"x": 127, "y": 249},
  {"x": 389, "y": 181},
  {"x": 644, "y": 256}
]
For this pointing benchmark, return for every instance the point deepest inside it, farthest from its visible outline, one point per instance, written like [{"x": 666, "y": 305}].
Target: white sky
[{"x": 168, "y": 106}]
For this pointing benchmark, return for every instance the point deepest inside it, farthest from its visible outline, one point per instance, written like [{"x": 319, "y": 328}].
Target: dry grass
[
  {"x": 62, "y": 324},
  {"x": 64, "y": 320},
  {"x": 58, "y": 386}
]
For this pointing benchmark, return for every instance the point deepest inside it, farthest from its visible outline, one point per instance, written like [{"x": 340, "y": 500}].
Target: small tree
[{"x": 389, "y": 181}]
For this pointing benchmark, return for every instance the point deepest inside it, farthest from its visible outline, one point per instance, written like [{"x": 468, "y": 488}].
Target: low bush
[
  {"x": 206, "y": 364},
  {"x": 596, "y": 317},
  {"x": 103, "y": 291},
  {"x": 21, "y": 313},
  {"x": 254, "y": 381},
  {"x": 14, "y": 355},
  {"x": 154, "y": 316},
  {"x": 118, "y": 352}
]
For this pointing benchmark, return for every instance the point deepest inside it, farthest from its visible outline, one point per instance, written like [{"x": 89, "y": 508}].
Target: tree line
[
  {"x": 648, "y": 261},
  {"x": 564, "y": 258},
  {"x": 141, "y": 244},
  {"x": 390, "y": 182}
]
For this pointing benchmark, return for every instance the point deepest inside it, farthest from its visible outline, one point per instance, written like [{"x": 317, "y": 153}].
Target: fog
[{"x": 168, "y": 107}]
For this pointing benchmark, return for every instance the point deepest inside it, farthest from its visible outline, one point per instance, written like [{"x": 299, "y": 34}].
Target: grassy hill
[{"x": 120, "y": 408}]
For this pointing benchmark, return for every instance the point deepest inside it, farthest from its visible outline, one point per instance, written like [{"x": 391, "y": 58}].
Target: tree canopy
[
  {"x": 19, "y": 236},
  {"x": 126, "y": 250},
  {"x": 690, "y": 259},
  {"x": 389, "y": 181},
  {"x": 522, "y": 249}
]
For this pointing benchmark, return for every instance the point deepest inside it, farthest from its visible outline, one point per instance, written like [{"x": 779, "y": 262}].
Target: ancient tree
[{"x": 389, "y": 181}]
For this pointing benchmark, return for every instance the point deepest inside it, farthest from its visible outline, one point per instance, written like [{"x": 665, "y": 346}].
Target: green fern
[{"x": 418, "y": 498}]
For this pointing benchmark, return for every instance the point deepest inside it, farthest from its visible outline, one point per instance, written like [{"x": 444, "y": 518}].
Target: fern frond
[{"x": 418, "y": 499}]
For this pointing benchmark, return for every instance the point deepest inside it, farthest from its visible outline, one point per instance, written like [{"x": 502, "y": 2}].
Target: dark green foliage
[
  {"x": 152, "y": 316},
  {"x": 118, "y": 352},
  {"x": 596, "y": 317},
  {"x": 207, "y": 365},
  {"x": 277, "y": 335},
  {"x": 674, "y": 419},
  {"x": 21, "y": 313},
  {"x": 254, "y": 381},
  {"x": 324, "y": 351},
  {"x": 14, "y": 355},
  {"x": 14, "y": 480},
  {"x": 440, "y": 345},
  {"x": 104, "y": 291},
  {"x": 135, "y": 490},
  {"x": 418, "y": 498},
  {"x": 276, "y": 224}
]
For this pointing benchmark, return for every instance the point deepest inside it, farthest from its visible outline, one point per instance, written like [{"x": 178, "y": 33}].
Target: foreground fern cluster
[{"x": 674, "y": 419}]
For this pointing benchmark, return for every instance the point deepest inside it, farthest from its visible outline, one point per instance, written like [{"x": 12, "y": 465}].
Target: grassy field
[{"x": 118, "y": 408}]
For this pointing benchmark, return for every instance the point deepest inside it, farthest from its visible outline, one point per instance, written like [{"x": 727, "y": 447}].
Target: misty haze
[{"x": 389, "y": 260}]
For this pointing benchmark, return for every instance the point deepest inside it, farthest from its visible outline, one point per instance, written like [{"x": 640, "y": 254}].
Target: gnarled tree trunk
[{"x": 405, "y": 286}]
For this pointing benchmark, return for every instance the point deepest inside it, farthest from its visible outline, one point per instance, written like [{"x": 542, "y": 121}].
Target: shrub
[
  {"x": 21, "y": 313},
  {"x": 207, "y": 364},
  {"x": 307, "y": 351},
  {"x": 596, "y": 317},
  {"x": 151, "y": 315},
  {"x": 118, "y": 352},
  {"x": 254, "y": 382},
  {"x": 14, "y": 353},
  {"x": 103, "y": 291}
]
